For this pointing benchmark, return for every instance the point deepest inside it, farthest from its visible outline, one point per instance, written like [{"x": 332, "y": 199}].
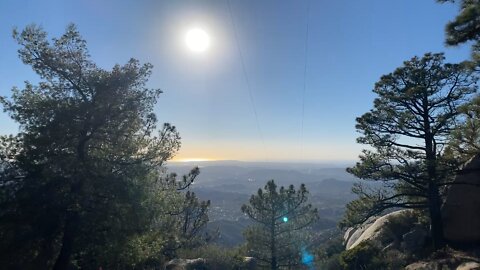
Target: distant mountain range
[{"x": 229, "y": 184}]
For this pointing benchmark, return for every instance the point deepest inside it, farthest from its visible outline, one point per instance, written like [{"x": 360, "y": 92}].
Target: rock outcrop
[
  {"x": 381, "y": 233},
  {"x": 186, "y": 264},
  {"x": 461, "y": 211},
  {"x": 469, "y": 266},
  {"x": 353, "y": 233}
]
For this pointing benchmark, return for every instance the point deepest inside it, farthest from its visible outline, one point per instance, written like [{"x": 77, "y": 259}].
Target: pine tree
[
  {"x": 281, "y": 217},
  {"x": 408, "y": 128}
]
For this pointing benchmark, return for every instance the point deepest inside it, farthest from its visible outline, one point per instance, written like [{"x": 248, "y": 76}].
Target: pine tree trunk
[
  {"x": 63, "y": 259},
  {"x": 45, "y": 256},
  {"x": 434, "y": 200},
  {"x": 72, "y": 216},
  {"x": 436, "y": 217},
  {"x": 273, "y": 265},
  {"x": 273, "y": 251},
  {"x": 69, "y": 230}
]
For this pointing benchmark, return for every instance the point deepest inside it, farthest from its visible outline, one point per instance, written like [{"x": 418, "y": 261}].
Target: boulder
[
  {"x": 353, "y": 233},
  {"x": 348, "y": 234},
  {"x": 461, "y": 211},
  {"x": 378, "y": 232},
  {"x": 186, "y": 264},
  {"x": 421, "y": 266},
  {"x": 469, "y": 266}
]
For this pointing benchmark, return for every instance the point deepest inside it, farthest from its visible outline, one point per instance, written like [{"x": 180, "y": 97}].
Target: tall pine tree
[{"x": 414, "y": 113}]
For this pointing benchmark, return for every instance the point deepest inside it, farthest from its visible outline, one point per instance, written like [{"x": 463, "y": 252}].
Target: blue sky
[{"x": 351, "y": 44}]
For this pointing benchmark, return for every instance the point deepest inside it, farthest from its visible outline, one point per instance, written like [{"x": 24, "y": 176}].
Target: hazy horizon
[{"x": 340, "y": 163}]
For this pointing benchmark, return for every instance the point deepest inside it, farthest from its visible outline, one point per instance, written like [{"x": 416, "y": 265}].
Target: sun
[{"x": 197, "y": 40}]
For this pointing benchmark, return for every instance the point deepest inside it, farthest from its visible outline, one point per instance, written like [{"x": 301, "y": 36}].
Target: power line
[
  {"x": 305, "y": 76},
  {"x": 245, "y": 75}
]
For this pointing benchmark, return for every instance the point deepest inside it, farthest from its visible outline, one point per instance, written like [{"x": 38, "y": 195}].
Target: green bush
[
  {"x": 330, "y": 263},
  {"x": 364, "y": 256},
  {"x": 396, "y": 259},
  {"x": 328, "y": 252}
]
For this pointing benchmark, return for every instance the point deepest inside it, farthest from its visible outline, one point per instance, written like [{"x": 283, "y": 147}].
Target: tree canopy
[{"x": 78, "y": 182}]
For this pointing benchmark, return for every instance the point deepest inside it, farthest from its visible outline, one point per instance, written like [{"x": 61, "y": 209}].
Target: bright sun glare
[{"x": 197, "y": 40}]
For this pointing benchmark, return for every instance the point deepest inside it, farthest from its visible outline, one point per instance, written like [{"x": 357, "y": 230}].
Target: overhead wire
[
  {"x": 246, "y": 78},
  {"x": 305, "y": 63}
]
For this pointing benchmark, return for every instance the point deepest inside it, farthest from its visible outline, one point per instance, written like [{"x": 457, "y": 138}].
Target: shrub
[
  {"x": 331, "y": 263},
  {"x": 364, "y": 256}
]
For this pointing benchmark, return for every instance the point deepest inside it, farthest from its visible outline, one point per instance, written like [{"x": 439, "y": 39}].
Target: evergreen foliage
[
  {"x": 464, "y": 141},
  {"x": 465, "y": 27}
]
